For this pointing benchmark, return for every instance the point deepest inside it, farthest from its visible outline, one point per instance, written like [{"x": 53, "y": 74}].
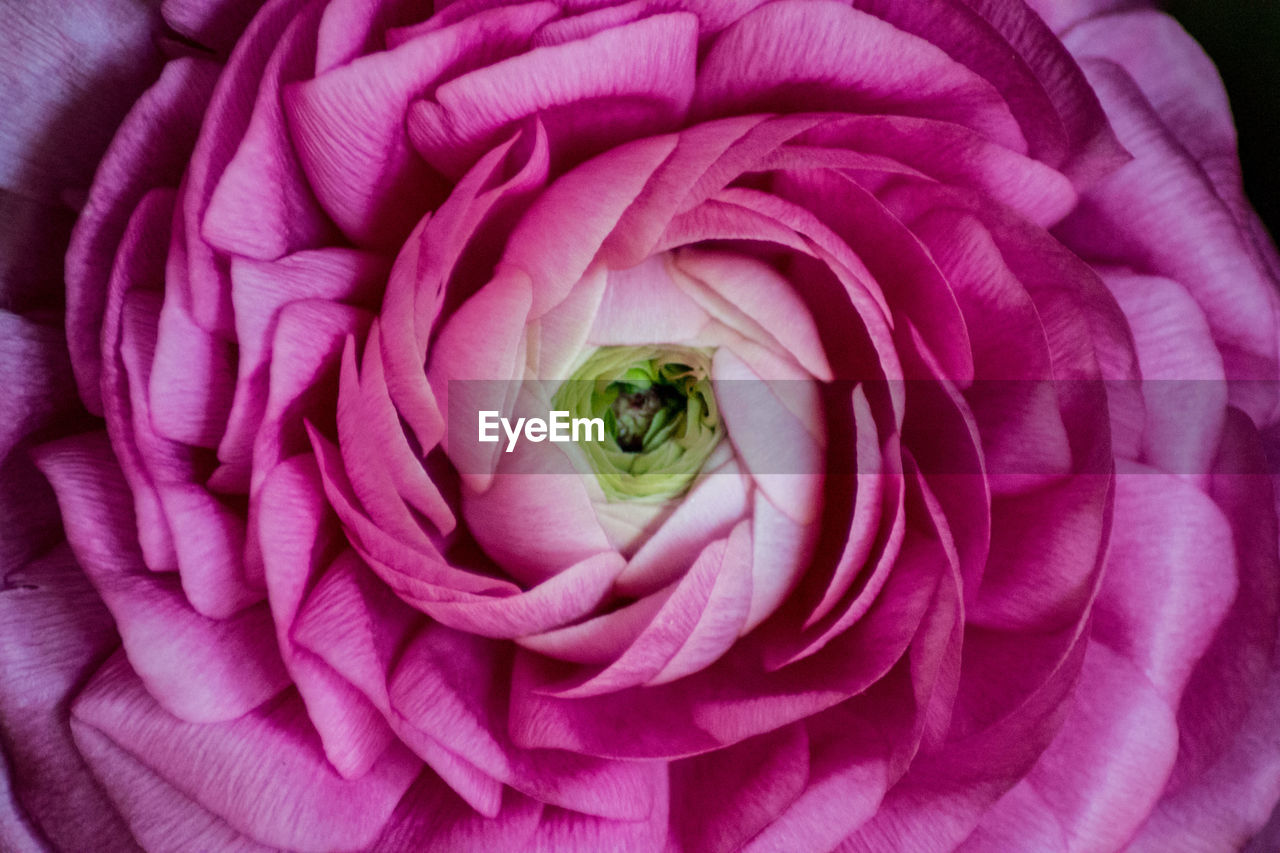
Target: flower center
[{"x": 660, "y": 415}]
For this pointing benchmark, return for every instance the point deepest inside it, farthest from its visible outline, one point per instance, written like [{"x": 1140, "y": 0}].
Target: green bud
[{"x": 660, "y": 415}]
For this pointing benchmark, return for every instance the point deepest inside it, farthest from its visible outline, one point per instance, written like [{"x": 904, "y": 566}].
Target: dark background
[{"x": 1243, "y": 37}]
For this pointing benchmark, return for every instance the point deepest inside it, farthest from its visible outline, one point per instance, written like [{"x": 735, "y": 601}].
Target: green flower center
[{"x": 660, "y": 416}]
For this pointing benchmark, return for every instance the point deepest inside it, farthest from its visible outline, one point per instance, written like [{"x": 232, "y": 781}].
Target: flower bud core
[{"x": 660, "y": 415}]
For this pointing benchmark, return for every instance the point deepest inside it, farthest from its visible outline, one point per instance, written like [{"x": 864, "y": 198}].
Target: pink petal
[
  {"x": 449, "y": 687},
  {"x": 205, "y": 289},
  {"x": 770, "y": 420},
  {"x": 150, "y": 149},
  {"x": 721, "y": 799},
  {"x": 201, "y": 669},
  {"x": 216, "y": 24},
  {"x": 836, "y": 58},
  {"x": 712, "y": 507},
  {"x": 1061, "y": 530},
  {"x": 1224, "y": 784},
  {"x": 559, "y": 236},
  {"x": 388, "y": 476},
  {"x": 39, "y": 384},
  {"x": 1183, "y": 387},
  {"x": 259, "y": 291},
  {"x": 261, "y": 206},
  {"x": 1186, "y": 91},
  {"x": 474, "y": 364},
  {"x": 356, "y": 624},
  {"x": 263, "y": 773},
  {"x": 1103, "y": 773},
  {"x": 536, "y": 517},
  {"x": 732, "y": 699},
  {"x": 695, "y": 625},
  {"x": 755, "y": 301},
  {"x": 72, "y": 70},
  {"x": 1170, "y": 578},
  {"x": 159, "y": 816},
  {"x": 294, "y": 527},
  {"x": 638, "y": 78},
  {"x": 306, "y": 351},
  {"x": 1201, "y": 246},
  {"x": 193, "y": 374},
  {"x": 431, "y": 816},
  {"x": 1064, "y": 124},
  {"x": 348, "y": 123}
]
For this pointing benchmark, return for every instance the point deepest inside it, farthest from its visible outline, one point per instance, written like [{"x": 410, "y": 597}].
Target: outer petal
[
  {"x": 263, "y": 773},
  {"x": 202, "y": 669},
  {"x": 54, "y": 632}
]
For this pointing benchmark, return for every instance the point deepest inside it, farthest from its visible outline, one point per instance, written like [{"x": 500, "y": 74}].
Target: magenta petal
[
  {"x": 1103, "y": 773},
  {"x": 790, "y": 56},
  {"x": 259, "y": 293},
  {"x": 562, "y": 829},
  {"x": 1164, "y": 192},
  {"x": 732, "y": 699},
  {"x": 1047, "y": 93},
  {"x": 159, "y": 816},
  {"x": 386, "y": 472},
  {"x": 263, "y": 773},
  {"x": 200, "y": 669},
  {"x": 348, "y": 123},
  {"x": 581, "y": 209},
  {"x": 1061, "y": 529},
  {"x": 620, "y": 83},
  {"x": 294, "y": 524},
  {"x": 432, "y": 817},
  {"x": 449, "y": 688},
  {"x": 695, "y": 626},
  {"x": 54, "y": 632},
  {"x": 356, "y": 624},
  {"x": 150, "y": 149},
  {"x": 261, "y": 206},
  {"x": 193, "y": 375},
  {"x": 205, "y": 289},
  {"x": 1184, "y": 87},
  {"x": 39, "y": 383},
  {"x": 1224, "y": 784},
  {"x": 306, "y": 352},
  {"x": 216, "y": 24},
  {"x": 722, "y": 799},
  {"x": 1184, "y": 388}
]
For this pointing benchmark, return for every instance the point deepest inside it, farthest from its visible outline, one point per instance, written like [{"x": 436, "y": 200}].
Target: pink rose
[{"x": 931, "y": 351}]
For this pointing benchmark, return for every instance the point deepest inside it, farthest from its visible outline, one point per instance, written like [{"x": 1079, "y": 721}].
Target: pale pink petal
[
  {"x": 643, "y": 305},
  {"x": 711, "y": 508}
]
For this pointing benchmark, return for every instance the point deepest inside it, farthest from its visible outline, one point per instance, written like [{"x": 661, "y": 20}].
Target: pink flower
[{"x": 933, "y": 348}]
